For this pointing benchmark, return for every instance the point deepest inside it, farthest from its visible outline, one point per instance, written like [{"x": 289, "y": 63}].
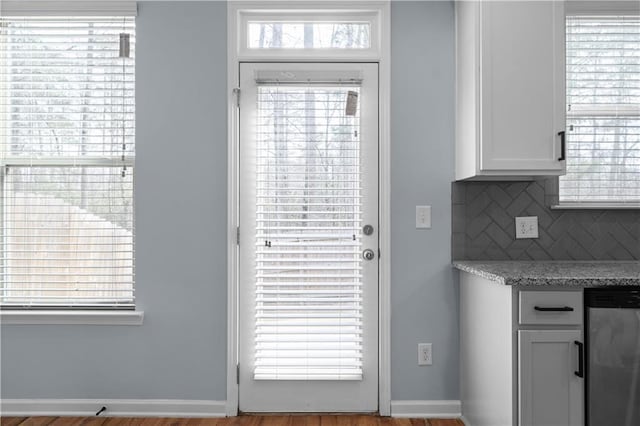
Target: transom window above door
[
  {"x": 308, "y": 35},
  {"x": 316, "y": 33}
]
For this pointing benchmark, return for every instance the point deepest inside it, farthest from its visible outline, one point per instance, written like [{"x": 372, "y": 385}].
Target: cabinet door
[
  {"x": 550, "y": 393},
  {"x": 523, "y": 86}
]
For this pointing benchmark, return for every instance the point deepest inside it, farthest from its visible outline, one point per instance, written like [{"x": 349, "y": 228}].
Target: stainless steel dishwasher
[{"x": 613, "y": 356}]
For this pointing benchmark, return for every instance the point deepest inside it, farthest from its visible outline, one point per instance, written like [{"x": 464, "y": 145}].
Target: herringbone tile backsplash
[{"x": 484, "y": 225}]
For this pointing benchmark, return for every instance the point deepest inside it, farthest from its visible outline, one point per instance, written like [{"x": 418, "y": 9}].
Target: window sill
[
  {"x": 596, "y": 206},
  {"x": 69, "y": 317}
]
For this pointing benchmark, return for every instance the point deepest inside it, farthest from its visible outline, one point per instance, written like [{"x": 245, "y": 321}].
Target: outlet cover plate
[
  {"x": 425, "y": 354},
  {"x": 527, "y": 227}
]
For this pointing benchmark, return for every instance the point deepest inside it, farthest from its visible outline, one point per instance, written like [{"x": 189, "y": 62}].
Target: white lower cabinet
[
  {"x": 520, "y": 350},
  {"x": 550, "y": 363}
]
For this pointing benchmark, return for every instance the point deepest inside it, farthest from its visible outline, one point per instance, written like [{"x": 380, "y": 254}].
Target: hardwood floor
[{"x": 295, "y": 420}]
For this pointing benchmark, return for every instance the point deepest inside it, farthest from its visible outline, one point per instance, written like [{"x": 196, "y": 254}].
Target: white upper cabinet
[{"x": 510, "y": 89}]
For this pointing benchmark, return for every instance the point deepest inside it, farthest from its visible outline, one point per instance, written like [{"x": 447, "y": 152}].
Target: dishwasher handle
[
  {"x": 553, "y": 309},
  {"x": 580, "y": 372}
]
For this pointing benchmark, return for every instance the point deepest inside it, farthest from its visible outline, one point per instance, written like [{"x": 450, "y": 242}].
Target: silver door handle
[{"x": 368, "y": 254}]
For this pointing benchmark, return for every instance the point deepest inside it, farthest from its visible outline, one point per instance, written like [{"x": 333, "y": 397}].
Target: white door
[
  {"x": 308, "y": 301},
  {"x": 551, "y": 391}
]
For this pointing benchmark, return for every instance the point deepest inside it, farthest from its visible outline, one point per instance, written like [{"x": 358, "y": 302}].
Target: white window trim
[
  {"x": 68, "y": 317},
  {"x": 595, "y": 206},
  {"x": 608, "y": 7},
  {"x": 68, "y": 8},
  {"x": 597, "y": 8},
  {"x": 383, "y": 56}
]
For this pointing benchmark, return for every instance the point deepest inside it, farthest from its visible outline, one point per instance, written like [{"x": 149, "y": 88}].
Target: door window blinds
[
  {"x": 603, "y": 110},
  {"x": 67, "y": 137},
  {"x": 308, "y": 265}
]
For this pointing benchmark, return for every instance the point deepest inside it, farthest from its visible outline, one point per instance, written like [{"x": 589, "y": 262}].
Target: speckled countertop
[{"x": 555, "y": 273}]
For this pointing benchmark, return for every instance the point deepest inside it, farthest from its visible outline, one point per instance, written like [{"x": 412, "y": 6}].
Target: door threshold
[{"x": 311, "y": 413}]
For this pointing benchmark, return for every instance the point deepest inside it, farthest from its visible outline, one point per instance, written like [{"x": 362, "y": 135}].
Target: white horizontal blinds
[
  {"x": 67, "y": 139},
  {"x": 68, "y": 93},
  {"x": 308, "y": 35},
  {"x": 603, "y": 116},
  {"x": 308, "y": 264},
  {"x": 68, "y": 236}
]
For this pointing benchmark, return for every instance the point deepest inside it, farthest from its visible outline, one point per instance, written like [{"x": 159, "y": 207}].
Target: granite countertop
[{"x": 555, "y": 273}]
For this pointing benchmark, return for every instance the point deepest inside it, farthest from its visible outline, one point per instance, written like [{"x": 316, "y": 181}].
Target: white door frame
[{"x": 382, "y": 57}]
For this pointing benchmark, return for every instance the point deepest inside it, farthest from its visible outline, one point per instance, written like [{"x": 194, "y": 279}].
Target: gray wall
[
  {"x": 424, "y": 301},
  {"x": 180, "y": 235},
  {"x": 484, "y": 225},
  {"x": 179, "y": 352}
]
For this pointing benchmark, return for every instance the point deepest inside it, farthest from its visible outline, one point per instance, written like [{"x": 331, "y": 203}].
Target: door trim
[{"x": 384, "y": 200}]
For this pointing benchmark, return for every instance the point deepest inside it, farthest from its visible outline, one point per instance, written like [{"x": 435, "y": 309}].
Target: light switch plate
[
  {"x": 527, "y": 227},
  {"x": 423, "y": 217}
]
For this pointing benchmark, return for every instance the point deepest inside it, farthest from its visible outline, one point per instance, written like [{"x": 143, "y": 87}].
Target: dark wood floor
[{"x": 296, "y": 420}]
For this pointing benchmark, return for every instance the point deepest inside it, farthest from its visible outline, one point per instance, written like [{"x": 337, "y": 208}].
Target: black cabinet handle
[
  {"x": 554, "y": 309},
  {"x": 563, "y": 146},
  {"x": 580, "y": 372}
]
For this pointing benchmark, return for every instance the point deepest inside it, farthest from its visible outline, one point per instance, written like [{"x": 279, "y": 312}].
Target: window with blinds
[
  {"x": 308, "y": 286},
  {"x": 67, "y": 143},
  {"x": 603, "y": 111}
]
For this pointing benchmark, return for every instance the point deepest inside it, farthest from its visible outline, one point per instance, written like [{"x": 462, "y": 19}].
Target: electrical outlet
[
  {"x": 527, "y": 227},
  {"x": 423, "y": 217},
  {"x": 425, "y": 356}
]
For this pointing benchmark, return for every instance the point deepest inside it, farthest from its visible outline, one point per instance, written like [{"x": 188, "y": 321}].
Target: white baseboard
[
  {"x": 444, "y": 409},
  {"x": 115, "y": 407},
  {"x": 187, "y": 408}
]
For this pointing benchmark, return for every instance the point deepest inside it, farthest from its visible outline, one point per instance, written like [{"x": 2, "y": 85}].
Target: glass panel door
[{"x": 308, "y": 253}]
